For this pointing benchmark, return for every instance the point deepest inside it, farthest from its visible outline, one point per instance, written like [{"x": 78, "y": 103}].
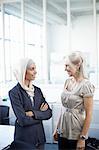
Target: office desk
[{"x": 6, "y": 135}]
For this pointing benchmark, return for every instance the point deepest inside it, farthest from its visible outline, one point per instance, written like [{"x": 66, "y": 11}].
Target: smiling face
[
  {"x": 31, "y": 72},
  {"x": 73, "y": 65},
  {"x": 70, "y": 68}
]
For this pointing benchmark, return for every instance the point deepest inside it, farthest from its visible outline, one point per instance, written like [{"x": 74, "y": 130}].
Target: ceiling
[{"x": 56, "y": 9}]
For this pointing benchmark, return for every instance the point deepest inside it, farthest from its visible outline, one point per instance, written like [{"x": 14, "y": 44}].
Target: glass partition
[
  {"x": 97, "y": 37},
  {"x": 1, "y": 51},
  {"x": 47, "y": 31},
  {"x": 57, "y": 39},
  {"x": 13, "y": 36},
  {"x": 33, "y": 22},
  {"x": 82, "y": 33}
]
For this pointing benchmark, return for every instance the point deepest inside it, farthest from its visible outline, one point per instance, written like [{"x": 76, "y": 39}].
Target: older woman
[
  {"x": 30, "y": 108},
  {"x": 77, "y": 105}
]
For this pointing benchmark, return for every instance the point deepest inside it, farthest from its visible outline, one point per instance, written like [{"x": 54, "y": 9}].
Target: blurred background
[{"x": 46, "y": 31}]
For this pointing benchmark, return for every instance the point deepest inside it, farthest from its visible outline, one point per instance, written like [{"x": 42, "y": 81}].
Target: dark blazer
[{"x": 29, "y": 129}]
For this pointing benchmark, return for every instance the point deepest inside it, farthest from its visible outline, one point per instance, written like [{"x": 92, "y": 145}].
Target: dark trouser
[
  {"x": 65, "y": 144},
  {"x": 40, "y": 147}
]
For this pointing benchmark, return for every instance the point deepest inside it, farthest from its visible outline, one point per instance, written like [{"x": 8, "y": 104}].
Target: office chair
[{"x": 4, "y": 115}]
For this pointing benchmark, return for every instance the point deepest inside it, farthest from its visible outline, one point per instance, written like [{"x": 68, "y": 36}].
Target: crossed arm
[
  {"x": 26, "y": 118},
  {"x": 43, "y": 107}
]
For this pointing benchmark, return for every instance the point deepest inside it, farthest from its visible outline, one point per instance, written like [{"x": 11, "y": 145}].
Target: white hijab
[{"x": 20, "y": 72}]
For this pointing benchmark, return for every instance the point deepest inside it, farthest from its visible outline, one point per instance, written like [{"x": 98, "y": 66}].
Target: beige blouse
[{"x": 72, "y": 112}]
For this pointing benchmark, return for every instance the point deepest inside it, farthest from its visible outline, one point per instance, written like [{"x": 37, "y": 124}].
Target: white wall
[
  {"x": 83, "y": 34},
  {"x": 82, "y": 37},
  {"x": 58, "y": 38}
]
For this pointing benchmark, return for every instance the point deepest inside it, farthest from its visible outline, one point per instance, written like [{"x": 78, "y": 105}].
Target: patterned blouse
[{"x": 73, "y": 112}]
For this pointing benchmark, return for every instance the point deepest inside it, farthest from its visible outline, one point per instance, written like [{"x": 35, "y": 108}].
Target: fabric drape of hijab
[{"x": 20, "y": 72}]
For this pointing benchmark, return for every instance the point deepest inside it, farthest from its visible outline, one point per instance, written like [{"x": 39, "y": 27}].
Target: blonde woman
[
  {"x": 77, "y": 105},
  {"x": 30, "y": 108}
]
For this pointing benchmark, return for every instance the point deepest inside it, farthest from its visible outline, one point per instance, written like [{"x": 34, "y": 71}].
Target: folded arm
[
  {"x": 44, "y": 112},
  {"x": 23, "y": 119}
]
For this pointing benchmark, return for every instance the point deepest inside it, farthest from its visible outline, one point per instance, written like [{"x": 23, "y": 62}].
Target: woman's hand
[
  {"x": 44, "y": 107},
  {"x": 55, "y": 136},
  {"x": 29, "y": 113},
  {"x": 80, "y": 145}
]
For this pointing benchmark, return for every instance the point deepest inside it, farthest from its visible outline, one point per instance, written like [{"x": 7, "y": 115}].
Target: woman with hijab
[
  {"x": 77, "y": 105},
  {"x": 30, "y": 108}
]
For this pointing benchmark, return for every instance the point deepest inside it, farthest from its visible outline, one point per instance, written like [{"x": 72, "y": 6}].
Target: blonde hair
[{"x": 77, "y": 58}]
